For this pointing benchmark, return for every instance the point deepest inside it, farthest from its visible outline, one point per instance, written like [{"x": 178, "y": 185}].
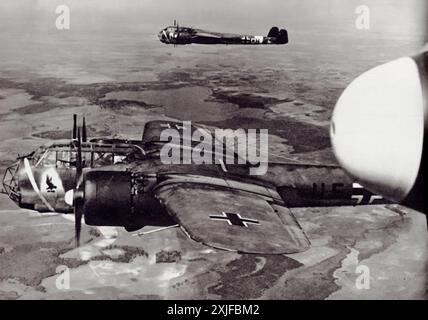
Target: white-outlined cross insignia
[
  {"x": 168, "y": 125},
  {"x": 234, "y": 219}
]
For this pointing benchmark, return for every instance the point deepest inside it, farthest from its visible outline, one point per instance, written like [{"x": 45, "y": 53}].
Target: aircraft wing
[
  {"x": 207, "y": 35},
  {"x": 231, "y": 219},
  {"x": 201, "y": 36},
  {"x": 153, "y": 129}
]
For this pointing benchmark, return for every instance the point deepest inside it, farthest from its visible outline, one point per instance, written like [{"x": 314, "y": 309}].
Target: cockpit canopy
[
  {"x": 175, "y": 35},
  {"x": 93, "y": 155}
]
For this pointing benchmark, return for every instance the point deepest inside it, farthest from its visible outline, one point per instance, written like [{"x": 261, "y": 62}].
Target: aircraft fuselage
[
  {"x": 185, "y": 35},
  {"x": 129, "y": 178}
]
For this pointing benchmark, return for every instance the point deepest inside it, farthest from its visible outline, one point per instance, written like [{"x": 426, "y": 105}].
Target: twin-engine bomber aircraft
[
  {"x": 186, "y": 35},
  {"x": 114, "y": 182}
]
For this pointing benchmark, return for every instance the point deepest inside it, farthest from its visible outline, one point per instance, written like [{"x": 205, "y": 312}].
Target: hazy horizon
[
  {"x": 388, "y": 17},
  {"x": 109, "y": 40}
]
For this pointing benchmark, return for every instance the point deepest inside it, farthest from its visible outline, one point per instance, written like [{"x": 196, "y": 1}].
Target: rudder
[
  {"x": 282, "y": 37},
  {"x": 273, "y": 32}
]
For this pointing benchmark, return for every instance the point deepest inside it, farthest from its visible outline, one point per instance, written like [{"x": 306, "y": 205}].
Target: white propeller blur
[{"x": 377, "y": 128}]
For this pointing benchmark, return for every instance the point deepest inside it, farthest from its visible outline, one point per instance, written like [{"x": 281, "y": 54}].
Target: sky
[
  {"x": 127, "y": 30},
  {"x": 388, "y": 17}
]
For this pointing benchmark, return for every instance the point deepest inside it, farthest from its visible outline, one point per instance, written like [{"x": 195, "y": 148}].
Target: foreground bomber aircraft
[
  {"x": 185, "y": 35},
  {"x": 379, "y": 130},
  {"x": 124, "y": 183}
]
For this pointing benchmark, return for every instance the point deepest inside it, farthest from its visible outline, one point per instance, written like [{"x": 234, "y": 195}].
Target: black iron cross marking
[{"x": 234, "y": 219}]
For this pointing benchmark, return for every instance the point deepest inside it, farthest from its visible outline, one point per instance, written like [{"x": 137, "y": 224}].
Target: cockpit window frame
[{"x": 116, "y": 150}]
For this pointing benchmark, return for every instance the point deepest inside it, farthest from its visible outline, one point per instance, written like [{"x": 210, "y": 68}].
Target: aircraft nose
[
  {"x": 161, "y": 36},
  {"x": 377, "y": 128},
  {"x": 11, "y": 182}
]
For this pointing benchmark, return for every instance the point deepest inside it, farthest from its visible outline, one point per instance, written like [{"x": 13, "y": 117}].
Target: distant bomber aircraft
[{"x": 185, "y": 35}]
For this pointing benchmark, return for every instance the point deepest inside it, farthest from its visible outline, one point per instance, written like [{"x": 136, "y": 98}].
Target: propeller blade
[
  {"x": 74, "y": 136},
  {"x": 77, "y": 194},
  {"x": 78, "y": 158},
  {"x": 78, "y": 213},
  {"x": 84, "y": 138}
]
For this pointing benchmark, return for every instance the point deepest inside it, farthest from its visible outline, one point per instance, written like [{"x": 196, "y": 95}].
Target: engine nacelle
[
  {"x": 118, "y": 198},
  {"x": 107, "y": 198},
  {"x": 379, "y": 130}
]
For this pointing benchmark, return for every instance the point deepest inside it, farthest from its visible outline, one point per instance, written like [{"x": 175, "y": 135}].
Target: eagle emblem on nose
[{"x": 50, "y": 186}]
